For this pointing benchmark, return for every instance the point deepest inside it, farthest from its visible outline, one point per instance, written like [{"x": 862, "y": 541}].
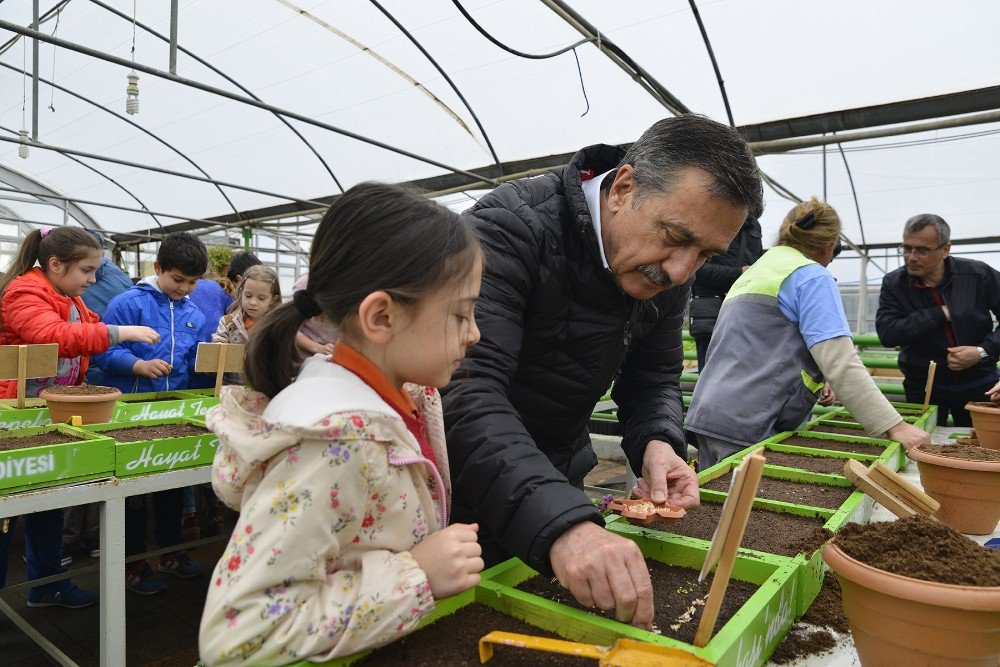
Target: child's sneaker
[
  {"x": 72, "y": 597},
  {"x": 139, "y": 579},
  {"x": 95, "y": 552},
  {"x": 67, "y": 559},
  {"x": 180, "y": 564},
  {"x": 190, "y": 528}
]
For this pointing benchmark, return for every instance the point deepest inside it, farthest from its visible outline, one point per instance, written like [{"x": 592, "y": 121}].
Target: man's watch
[{"x": 983, "y": 355}]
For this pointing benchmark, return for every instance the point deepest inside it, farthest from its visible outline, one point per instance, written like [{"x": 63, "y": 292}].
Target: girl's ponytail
[
  {"x": 27, "y": 256},
  {"x": 269, "y": 361}
]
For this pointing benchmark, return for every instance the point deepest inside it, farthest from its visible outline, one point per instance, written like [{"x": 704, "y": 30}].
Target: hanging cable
[
  {"x": 583, "y": 88},
  {"x": 132, "y": 89},
  {"x": 519, "y": 54},
  {"x": 22, "y": 150},
  {"x": 854, "y": 192},
  {"x": 715, "y": 64},
  {"x": 413, "y": 40},
  {"x": 44, "y": 18},
  {"x": 55, "y": 50}
]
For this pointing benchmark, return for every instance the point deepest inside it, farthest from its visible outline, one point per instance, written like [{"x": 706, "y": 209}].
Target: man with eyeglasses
[{"x": 937, "y": 308}]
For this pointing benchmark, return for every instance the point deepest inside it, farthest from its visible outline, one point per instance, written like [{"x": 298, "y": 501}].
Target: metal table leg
[{"x": 113, "y": 582}]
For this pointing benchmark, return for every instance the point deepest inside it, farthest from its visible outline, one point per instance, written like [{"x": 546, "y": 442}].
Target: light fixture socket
[
  {"x": 23, "y": 151},
  {"x": 132, "y": 94}
]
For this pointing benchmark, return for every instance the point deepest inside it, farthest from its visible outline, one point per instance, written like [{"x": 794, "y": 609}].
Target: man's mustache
[{"x": 655, "y": 274}]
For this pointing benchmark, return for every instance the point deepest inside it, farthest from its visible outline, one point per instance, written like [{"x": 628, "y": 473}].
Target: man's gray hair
[
  {"x": 918, "y": 222},
  {"x": 674, "y": 144}
]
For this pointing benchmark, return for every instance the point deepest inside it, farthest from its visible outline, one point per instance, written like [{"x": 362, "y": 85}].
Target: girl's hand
[
  {"x": 994, "y": 393},
  {"x": 152, "y": 368},
  {"x": 138, "y": 334},
  {"x": 451, "y": 559}
]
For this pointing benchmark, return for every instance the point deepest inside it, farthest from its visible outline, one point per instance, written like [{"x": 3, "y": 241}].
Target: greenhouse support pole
[
  {"x": 112, "y": 582},
  {"x": 173, "y": 36},
  {"x": 34, "y": 73},
  {"x": 863, "y": 295},
  {"x": 247, "y": 238}
]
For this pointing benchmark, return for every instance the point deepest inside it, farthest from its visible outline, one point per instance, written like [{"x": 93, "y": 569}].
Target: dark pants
[
  {"x": 167, "y": 507},
  {"x": 43, "y": 548},
  {"x": 701, "y": 345},
  {"x": 949, "y": 398}
]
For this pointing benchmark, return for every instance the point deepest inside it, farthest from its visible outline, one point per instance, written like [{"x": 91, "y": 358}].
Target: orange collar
[{"x": 357, "y": 363}]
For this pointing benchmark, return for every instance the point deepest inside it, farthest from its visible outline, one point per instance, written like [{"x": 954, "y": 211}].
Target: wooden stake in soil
[
  {"x": 890, "y": 490},
  {"x": 21, "y": 362},
  {"x": 219, "y": 358},
  {"x": 727, "y": 538},
  {"x": 930, "y": 384}
]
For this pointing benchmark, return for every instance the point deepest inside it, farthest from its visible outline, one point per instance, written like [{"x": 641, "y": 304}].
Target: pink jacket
[{"x": 333, "y": 493}]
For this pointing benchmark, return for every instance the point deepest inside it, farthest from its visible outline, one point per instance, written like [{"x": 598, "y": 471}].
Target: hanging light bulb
[
  {"x": 132, "y": 94},
  {"x": 23, "y": 150}
]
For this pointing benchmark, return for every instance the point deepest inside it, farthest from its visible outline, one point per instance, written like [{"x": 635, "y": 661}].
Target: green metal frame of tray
[
  {"x": 747, "y": 639},
  {"x": 143, "y": 457},
  {"x": 139, "y": 408},
  {"x": 90, "y": 457}
]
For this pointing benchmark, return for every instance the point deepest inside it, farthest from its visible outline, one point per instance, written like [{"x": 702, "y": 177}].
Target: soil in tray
[
  {"x": 52, "y": 438},
  {"x": 823, "y": 464},
  {"x": 839, "y": 430},
  {"x": 800, "y": 493},
  {"x": 454, "y": 640},
  {"x": 921, "y": 548},
  {"x": 81, "y": 390},
  {"x": 678, "y": 598},
  {"x": 126, "y": 399},
  {"x": 963, "y": 452},
  {"x": 835, "y": 445},
  {"x": 779, "y": 533},
  {"x": 134, "y": 433}
]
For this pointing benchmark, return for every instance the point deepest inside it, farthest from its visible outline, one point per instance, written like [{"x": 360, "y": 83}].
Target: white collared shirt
[{"x": 592, "y": 193}]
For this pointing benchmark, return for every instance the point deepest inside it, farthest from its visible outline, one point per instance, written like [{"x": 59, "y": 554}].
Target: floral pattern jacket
[{"x": 333, "y": 492}]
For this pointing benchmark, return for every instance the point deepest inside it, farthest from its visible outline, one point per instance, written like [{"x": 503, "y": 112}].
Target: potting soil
[
  {"x": 834, "y": 445},
  {"x": 802, "y": 642},
  {"x": 134, "y": 433},
  {"x": 51, "y": 438},
  {"x": 921, "y": 548},
  {"x": 811, "y": 636},
  {"x": 678, "y": 598},
  {"x": 824, "y": 464},
  {"x": 454, "y": 640},
  {"x": 80, "y": 390},
  {"x": 800, "y": 493},
  {"x": 987, "y": 404},
  {"x": 963, "y": 452},
  {"x": 779, "y": 533},
  {"x": 839, "y": 430}
]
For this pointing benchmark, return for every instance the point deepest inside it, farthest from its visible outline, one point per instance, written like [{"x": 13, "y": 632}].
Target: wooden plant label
[
  {"x": 219, "y": 358},
  {"x": 21, "y": 362},
  {"x": 726, "y": 540}
]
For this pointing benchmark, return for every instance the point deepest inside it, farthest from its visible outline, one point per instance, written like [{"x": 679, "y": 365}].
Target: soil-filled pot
[
  {"x": 93, "y": 407},
  {"x": 986, "y": 422},
  {"x": 969, "y": 491},
  {"x": 898, "y": 620}
]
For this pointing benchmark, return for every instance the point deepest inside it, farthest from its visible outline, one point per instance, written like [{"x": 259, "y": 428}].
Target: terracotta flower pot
[
  {"x": 898, "y": 620},
  {"x": 969, "y": 491},
  {"x": 986, "y": 422},
  {"x": 91, "y": 408}
]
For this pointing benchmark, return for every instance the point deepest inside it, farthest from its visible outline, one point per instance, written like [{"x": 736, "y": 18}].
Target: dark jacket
[
  {"x": 909, "y": 317},
  {"x": 556, "y": 331},
  {"x": 110, "y": 281},
  {"x": 717, "y": 275}
]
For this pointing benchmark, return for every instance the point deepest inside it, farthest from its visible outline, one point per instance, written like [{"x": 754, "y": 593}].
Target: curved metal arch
[
  {"x": 227, "y": 78},
  {"x": 103, "y": 175},
  {"x": 18, "y": 180},
  {"x": 133, "y": 124}
]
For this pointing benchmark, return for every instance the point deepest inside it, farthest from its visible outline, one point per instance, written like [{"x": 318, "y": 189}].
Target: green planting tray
[
  {"x": 28, "y": 417},
  {"x": 143, "y": 457},
  {"x": 893, "y": 454},
  {"x": 162, "y": 405},
  {"x": 92, "y": 456}
]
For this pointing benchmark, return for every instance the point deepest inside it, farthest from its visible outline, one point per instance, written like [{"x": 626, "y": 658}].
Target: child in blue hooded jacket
[{"x": 161, "y": 302}]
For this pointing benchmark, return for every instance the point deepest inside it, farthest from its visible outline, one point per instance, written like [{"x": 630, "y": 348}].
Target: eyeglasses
[
  {"x": 837, "y": 249},
  {"x": 918, "y": 251}
]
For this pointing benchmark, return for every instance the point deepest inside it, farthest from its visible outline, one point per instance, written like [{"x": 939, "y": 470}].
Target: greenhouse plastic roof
[{"x": 779, "y": 60}]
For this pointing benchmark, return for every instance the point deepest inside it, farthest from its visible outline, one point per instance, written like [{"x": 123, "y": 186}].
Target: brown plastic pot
[
  {"x": 91, "y": 408},
  {"x": 986, "y": 422},
  {"x": 898, "y": 620},
  {"x": 969, "y": 491}
]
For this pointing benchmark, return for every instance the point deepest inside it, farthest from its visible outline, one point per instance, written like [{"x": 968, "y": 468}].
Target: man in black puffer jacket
[{"x": 587, "y": 275}]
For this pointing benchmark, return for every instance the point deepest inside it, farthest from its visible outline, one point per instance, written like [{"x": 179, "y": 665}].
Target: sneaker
[
  {"x": 180, "y": 564},
  {"x": 66, "y": 561},
  {"x": 95, "y": 552},
  {"x": 190, "y": 528},
  {"x": 72, "y": 597},
  {"x": 139, "y": 579}
]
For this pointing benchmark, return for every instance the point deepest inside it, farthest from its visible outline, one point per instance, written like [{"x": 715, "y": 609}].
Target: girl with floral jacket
[{"x": 341, "y": 476}]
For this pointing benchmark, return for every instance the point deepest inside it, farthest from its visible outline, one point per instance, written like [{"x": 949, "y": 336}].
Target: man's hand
[
  {"x": 152, "y": 368},
  {"x": 909, "y": 435},
  {"x": 827, "y": 397},
  {"x": 667, "y": 476},
  {"x": 962, "y": 357},
  {"x": 603, "y": 569},
  {"x": 994, "y": 393}
]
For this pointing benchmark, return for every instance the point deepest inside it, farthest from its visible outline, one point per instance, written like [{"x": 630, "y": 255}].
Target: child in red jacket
[{"x": 42, "y": 304}]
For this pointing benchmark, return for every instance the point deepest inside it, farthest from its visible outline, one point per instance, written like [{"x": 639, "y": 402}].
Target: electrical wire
[
  {"x": 44, "y": 18},
  {"x": 715, "y": 64},
  {"x": 854, "y": 192},
  {"x": 513, "y": 51},
  {"x": 420, "y": 47},
  {"x": 904, "y": 144}
]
